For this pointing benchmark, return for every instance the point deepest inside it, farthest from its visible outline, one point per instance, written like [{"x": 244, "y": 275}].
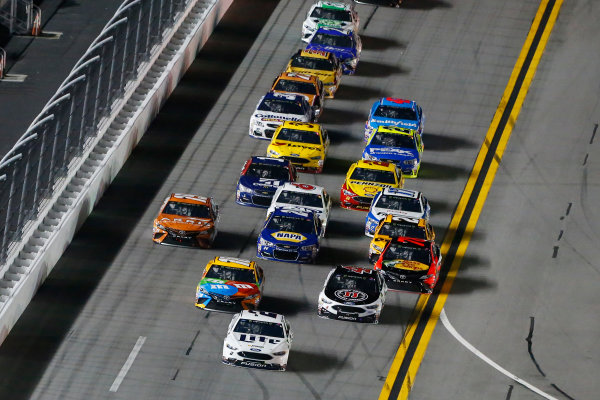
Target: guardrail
[
  {"x": 52, "y": 178},
  {"x": 20, "y": 16}
]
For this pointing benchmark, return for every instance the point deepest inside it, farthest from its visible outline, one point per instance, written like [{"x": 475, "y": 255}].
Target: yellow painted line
[{"x": 440, "y": 300}]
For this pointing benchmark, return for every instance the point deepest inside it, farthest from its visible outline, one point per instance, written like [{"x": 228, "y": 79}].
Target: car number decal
[{"x": 350, "y": 294}]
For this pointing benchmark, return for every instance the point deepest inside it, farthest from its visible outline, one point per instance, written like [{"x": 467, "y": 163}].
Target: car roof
[
  {"x": 396, "y": 130},
  {"x": 379, "y": 165},
  {"x": 270, "y": 160},
  {"x": 396, "y": 102},
  {"x": 262, "y": 316},
  {"x": 335, "y": 5},
  {"x": 307, "y": 214},
  {"x": 334, "y": 32},
  {"x": 413, "y": 194},
  {"x": 315, "y": 54},
  {"x": 301, "y": 187},
  {"x": 189, "y": 198},
  {"x": 302, "y": 126},
  {"x": 234, "y": 262},
  {"x": 352, "y": 270},
  {"x": 398, "y": 219},
  {"x": 295, "y": 76},
  {"x": 288, "y": 96}
]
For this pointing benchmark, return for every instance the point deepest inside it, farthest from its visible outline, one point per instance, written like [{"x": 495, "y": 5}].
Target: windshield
[
  {"x": 286, "y": 85},
  {"x": 393, "y": 140},
  {"x": 291, "y": 224},
  {"x": 373, "y": 175},
  {"x": 268, "y": 171},
  {"x": 399, "y": 203},
  {"x": 332, "y": 40},
  {"x": 397, "y": 229},
  {"x": 325, "y": 13},
  {"x": 396, "y": 113},
  {"x": 187, "y": 209},
  {"x": 295, "y": 135},
  {"x": 300, "y": 199},
  {"x": 227, "y": 273},
  {"x": 400, "y": 251},
  {"x": 367, "y": 284},
  {"x": 313, "y": 63},
  {"x": 262, "y": 328},
  {"x": 282, "y": 106}
]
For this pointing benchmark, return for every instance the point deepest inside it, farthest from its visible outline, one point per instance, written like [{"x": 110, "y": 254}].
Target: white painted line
[
  {"x": 479, "y": 354},
  {"x": 127, "y": 365}
]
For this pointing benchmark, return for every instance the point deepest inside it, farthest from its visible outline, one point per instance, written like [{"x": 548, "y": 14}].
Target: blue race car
[
  {"x": 400, "y": 146},
  {"x": 290, "y": 235},
  {"x": 346, "y": 46},
  {"x": 390, "y": 111},
  {"x": 260, "y": 178}
]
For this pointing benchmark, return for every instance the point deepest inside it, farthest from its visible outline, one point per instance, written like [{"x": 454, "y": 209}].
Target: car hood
[
  {"x": 267, "y": 116},
  {"x": 349, "y": 296},
  {"x": 296, "y": 149},
  {"x": 374, "y": 122},
  {"x": 365, "y": 188},
  {"x": 406, "y": 265},
  {"x": 258, "y": 343},
  {"x": 380, "y": 213},
  {"x": 263, "y": 184},
  {"x": 184, "y": 223},
  {"x": 229, "y": 288},
  {"x": 390, "y": 153},
  {"x": 293, "y": 238},
  {"x": 342, "y": 53}
]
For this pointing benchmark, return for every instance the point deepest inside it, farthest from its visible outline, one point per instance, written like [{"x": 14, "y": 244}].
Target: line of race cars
[{"x": 403, "y": 249}]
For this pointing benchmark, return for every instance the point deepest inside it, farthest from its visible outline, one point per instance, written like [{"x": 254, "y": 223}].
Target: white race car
[
  {"x": 329, "y": 14},
  {"x": 400, "y": 202},
  {"x": 352, "y": 294},
  {"x": 298, "y": 196},
  {"x": 275, "y": 108},
  {"x": 258, "y": 339}
]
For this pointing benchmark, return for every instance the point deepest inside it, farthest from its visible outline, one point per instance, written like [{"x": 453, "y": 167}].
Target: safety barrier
[
  {"x": 19, "y": 16},
  {"x": 36, "y": 20},
  {"x": 2, "y": 62},
  {"x": 81, "y": 180}
]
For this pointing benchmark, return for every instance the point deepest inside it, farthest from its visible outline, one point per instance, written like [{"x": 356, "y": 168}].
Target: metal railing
[
  {"x": 69, "y": 122},
  {"x": 20, "y": 16}
]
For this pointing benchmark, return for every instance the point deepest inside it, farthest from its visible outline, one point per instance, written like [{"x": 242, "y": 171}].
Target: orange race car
[
  {"x": 186, "y": 220},
  {"x": 309, "y": 86}
]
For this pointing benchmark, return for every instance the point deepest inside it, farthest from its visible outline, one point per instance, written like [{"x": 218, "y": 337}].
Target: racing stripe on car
[{"x": 411, "y": 351}]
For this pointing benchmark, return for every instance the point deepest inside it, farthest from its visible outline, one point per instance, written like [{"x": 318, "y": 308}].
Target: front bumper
[
  {"x": 253, "y": 199},
  {"x": 303, "y": 164},
  {"x": 223, "y": 305},
  {"x": 286, "y": 255},
  {"x": 249, "y": 363},
  {"x": 358, "y": 203},
  {"x": 202, "y": 240},
  {"x": 366, "y": 316}
]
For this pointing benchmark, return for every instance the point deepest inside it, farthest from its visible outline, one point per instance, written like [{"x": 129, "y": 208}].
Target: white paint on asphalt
[
  {"x": 479, "y": 354},
  {"x": 127, "y": 365}
]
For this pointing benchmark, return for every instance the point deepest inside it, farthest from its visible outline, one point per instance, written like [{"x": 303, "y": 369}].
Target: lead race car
[
  {"x": 329, "y": 14},
  {"x": 352, "y": 294},
  {"x": 260, "y": 178},
  {"x": 230, "y": 284},
  {"x": 258, "y": 339},
  {"x": 273, "y": 109}
]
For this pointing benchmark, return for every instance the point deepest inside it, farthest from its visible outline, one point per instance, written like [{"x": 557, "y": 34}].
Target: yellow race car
[
  {"x": 304, "y": 144},
  {"x": 393, "y": 226},
  {"x": 322, "y": 64},
  {"x": 364, "y": 179}
]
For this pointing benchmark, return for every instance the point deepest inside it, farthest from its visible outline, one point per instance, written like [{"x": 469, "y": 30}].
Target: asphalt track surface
[{"x": 525, "y": 292}]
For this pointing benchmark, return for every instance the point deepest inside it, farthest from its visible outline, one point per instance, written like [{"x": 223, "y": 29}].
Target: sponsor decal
[
  {"x": 265, "y": 182},
  {"x": 255, "y": 349},
  {"x": 394, "y": 122},
  {"x": 366, "y": 183},
  {"x": 288, "y": 236},
  {"x": 390, "y": 150},
  {"x": 256, "y": 338},
  {"x": 347, "y": 317},
  {"x": 350, "y": 294},
  {"x": 254, "y": 364}
]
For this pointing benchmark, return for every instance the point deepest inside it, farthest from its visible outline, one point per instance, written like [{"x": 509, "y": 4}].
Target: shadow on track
[
  {"x": 47, "y": 321},
  {"x": 305, "y": 361}
]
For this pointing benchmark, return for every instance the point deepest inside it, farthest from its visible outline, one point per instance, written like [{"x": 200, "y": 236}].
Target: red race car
[{"x": 410, "y": 264}]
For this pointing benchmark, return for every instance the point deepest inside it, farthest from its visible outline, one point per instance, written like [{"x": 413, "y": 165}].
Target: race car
[
  {"x": 400, "y": 202},
  {"x": 260, "y": 178},
  {"x": 304, "y": 144},
  {"x": 230, "y": 284},
  {"x": 391, "y": 111},
  {"x": 307, "y": 85},
  {"x": 302, "y": 196},
  {"x": 364, "y": 180},
  {"x": 274, "y": 109},
  {"x": 186, "y": 220},
  {"x": 258, "y": 339},
  {"x": 401, "y": 146},
  {"x": 290, "y": 236},
  {"x": 345, "y": 45},
  {"x": 410, "y": 264},
  {"x": 329, "y": 14},
  {"x": 322, "y": 64},
  {"x": 352, "y": 294},
  {"x": 391, "y": 227}
]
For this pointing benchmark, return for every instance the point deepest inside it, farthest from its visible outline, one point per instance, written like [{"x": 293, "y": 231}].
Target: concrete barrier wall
[{"x": 58, "y": 226}]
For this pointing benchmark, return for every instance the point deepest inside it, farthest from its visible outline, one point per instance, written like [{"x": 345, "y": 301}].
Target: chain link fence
[{"x": 69, "y": 122}]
